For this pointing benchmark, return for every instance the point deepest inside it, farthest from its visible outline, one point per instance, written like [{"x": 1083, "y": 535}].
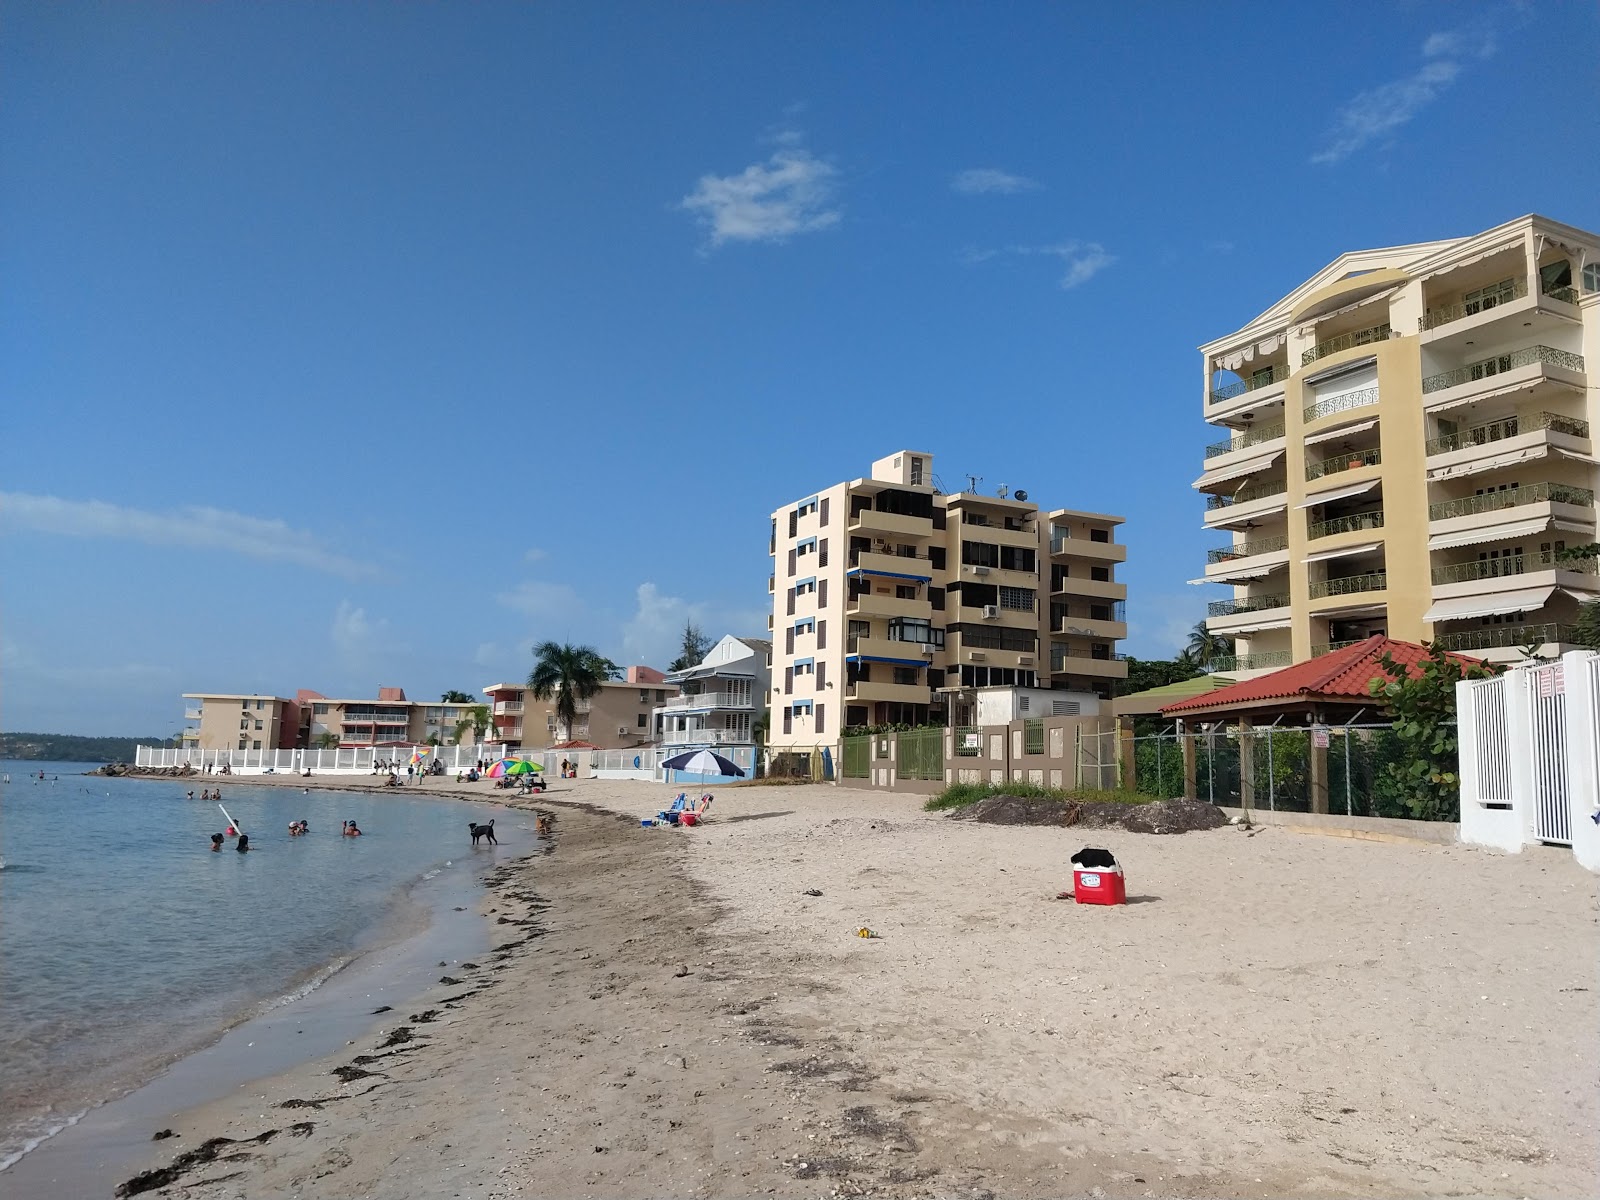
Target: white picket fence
[
  {"x": 342, "y": 760},
  {"x": 1530, "y": 757}
]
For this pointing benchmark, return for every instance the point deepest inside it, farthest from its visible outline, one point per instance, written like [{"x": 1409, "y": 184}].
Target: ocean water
[{"x": 125, "y": 942}]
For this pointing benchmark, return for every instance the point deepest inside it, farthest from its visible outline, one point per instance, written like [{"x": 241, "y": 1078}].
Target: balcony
[
  {"x": 870, "y": 521},
  {"x": 1346, "y": 341},
  {"x": 893, "y": 693},
  {"x": 713, "y": 736},
  {"x": 1265, "y": 545},
  {"x": 878, "y": 604},
  {"x": 1065, "y": 660},
  {"x": 1243, "y": 561},
  {"x": 1349, "y": 585},
  {"x": 1268, "y": 377},
  {"x": 1255, "y": 436},
  {"x": 1506, "y": 429},
  {"x": 1488, "y": 302},
  {"x": 1352, "y": 461},
  {"x": 1341, "y": 403},
  {"x": 1073, "y": 547},
  {"x": 708, "y": 701},
  {"x": 1355, "y": 523},
  {"x": 1531, "y": 369},
  {"x": 1090, "y": 627},
  {"x": 506, "y": 707},
  {"x": 189, "y": 735},
  {"x": 1247, "y": 604},
  {"x": 1511, "y": 565},
  {"x": 1247, "y": 495},
  {"x": 1505, "y": 636},
  {"x": 1097, "y": 589},
  {"x": 1330, "y": 647},
  {"x": 1265, "y": 660},
  {"x": 191, "y": 714},
  {"x": 1516, "y": 497},
  {"x": 898, "y": 566},
  {"x": 508, "y": 730}
]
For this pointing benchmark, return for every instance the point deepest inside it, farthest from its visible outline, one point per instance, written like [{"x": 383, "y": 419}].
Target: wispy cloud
[
  {"x": 1379, "y": 111},
  {"x": 365, "y": 644},
  {"x": 1081, "y": 261},
  {"x": 654, "y": 633},
  {"x": 991, "y": 181},
  {"x": 196, "y": 527},
  {"x": 790, "y": 193}
]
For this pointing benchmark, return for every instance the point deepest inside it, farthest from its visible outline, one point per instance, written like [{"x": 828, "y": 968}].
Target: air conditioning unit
[
  {"x": 621, "y": 729},
  {"x": 1025, "y": 661},
  {"x": 991, "y": 612},
  {"x": 927, "y": 649},
  {"x": 978, "y": 656},
  {"x": 975, "y": 570}
]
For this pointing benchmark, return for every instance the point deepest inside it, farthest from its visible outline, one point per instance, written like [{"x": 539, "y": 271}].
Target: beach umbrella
[
  {"x": 420, "y": 753},
  {"x": 498, "y": 769},
  {"x": 703, "y": 762},
  {"x": 521, "y": 767}
]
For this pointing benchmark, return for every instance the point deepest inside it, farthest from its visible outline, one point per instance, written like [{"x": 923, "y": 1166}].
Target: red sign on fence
[{"x": 1552, "y": 681}]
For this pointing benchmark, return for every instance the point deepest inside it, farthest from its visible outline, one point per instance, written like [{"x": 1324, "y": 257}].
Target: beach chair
[
  {"x": 695, "y": 813},
  {"x": 669, "y": 815}
]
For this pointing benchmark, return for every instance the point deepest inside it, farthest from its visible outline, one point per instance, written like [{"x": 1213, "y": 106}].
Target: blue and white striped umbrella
[{"x": 703, "y": 762}]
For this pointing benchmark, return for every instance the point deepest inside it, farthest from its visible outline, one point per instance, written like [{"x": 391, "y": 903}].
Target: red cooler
[{"x": 1099, "y": 885}]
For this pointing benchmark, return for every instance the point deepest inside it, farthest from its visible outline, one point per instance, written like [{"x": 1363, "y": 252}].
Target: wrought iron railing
[
  {"x": 1245, "y": 495},
  {"x": 1251, "y": 662},
  {"x": 1512, "y": 564},
  {"x": 1563, "y": 293},
  {"x": 1495, "y": 636},
  {"x": 1488, "y": 368},
  {"x": 1514, "y": 497},
  {"x": 1330, "y": 647},
  {"x": 1341, "y": 403},
  {"x": 1266, "y": 545},
  {"x": 1321, "y": 529},
  {"x": 1507, "y": 427},
  {"x": 1345, "y": 341},
  {"x": 1250, "y": 437},
  {"x": 1375, "y": 581},
  {"x": 1508, "y": 290},
  {"x": 1343, "y": 462},
  {"x": 1266, "y": 377},
  {"x": 1246, "y": 604}
]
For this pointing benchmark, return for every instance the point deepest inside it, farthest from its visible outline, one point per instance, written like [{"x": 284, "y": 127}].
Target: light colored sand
[{"x": 1276, "y": 1014}]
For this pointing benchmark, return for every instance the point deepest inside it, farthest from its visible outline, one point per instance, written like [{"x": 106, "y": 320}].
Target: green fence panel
[
  {"x": 920, "y": 754},
  {"x": 857, "y": 757}
]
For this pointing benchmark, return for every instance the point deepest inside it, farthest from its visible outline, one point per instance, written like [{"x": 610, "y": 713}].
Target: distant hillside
[{"x": 66, "y": 747}]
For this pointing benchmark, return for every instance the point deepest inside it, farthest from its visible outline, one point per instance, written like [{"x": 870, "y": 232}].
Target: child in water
[
  {"x": 244, "y": 843},
  {"x": 216, "y": 841}
]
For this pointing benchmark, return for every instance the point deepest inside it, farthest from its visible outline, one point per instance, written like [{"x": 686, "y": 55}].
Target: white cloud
[
  {"x": 193, "y": 526},
  {"x": 364, "y": 643},
  {"x": 1381, "y": 110},
  {"x": 654, "y": 634},
  {"x": 1082, "y": 260},
  {"x": 990, "y": 181},
  {"x": 772, "y": 201}
]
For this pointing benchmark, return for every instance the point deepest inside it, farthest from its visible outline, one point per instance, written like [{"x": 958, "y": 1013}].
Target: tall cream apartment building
[
  {"x": 888, "y": 595},
  {"x": 1409, "y": 450}
]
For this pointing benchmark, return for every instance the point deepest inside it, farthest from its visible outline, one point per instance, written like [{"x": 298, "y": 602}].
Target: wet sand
[{"x": 666, "y": 1012}]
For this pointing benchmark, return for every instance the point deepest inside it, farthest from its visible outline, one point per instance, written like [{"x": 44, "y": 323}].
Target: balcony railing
[
  {"x": 191, "y": 714},
  {"x": 1488, "y": 368},
  {"x": 1265, "y": 378},
  {"x": 1514, "y": 497},
  {"x": 1250, "y": 437},
  {"x": 1360, "y": 337},
  {"x": 1510, "y": 289},
  {"x": 507, "y": 706},
  {"x": 1512, "y": 564},
  {"x": 1265, "y": 545},
  {"x": 1376, "y": 581},
  {"x": 1508, "y": 427},
  {"x": 1355, "y": 460},
  {"x": 1258, "y": 491},
  {"x": 1495, "y": 636},
  {"x": 886, "y": 551},
  {"x": 1335, "y": 404},
  {"x": 708, "y": 700},
  {"x": 705, "y": 737},
  {"x": 1252, "y": 662},
  {"x": 1060, "y": 654},
  {"x": 1321, "y": 529},
  {"x": 1330, "y": 647},
  {"x": 1248, "y": 604}
]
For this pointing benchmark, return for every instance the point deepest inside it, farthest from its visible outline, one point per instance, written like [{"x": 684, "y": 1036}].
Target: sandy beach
[{"x": 667, "y": 1012}]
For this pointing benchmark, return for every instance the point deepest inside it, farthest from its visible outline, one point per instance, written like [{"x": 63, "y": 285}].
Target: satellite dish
[
  {"x": 1021, "y": 495},
  {"x": 1002, "y": 491}
]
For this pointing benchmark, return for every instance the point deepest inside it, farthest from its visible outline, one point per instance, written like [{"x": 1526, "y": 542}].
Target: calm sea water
[{"x": 125, "y": 942}]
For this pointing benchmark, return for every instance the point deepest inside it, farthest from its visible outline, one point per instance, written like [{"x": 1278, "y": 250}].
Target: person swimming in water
[
  {"x": 244, "y": 843},
  {"x": 350, "y": 829},
  {"x": 216, "y": 841}
]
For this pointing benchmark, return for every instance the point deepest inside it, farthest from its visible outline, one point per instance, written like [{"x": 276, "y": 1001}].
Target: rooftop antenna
[
  {"x": 1002, "y": 491},
  {"x": 973, "y": 481}
]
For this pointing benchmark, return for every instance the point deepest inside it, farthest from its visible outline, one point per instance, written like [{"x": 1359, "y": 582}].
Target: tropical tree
[
  {"x": 1205, "y": 648},
  {"x": 475, "y": 720},
  {"x": 569, "y": 674},
  {"x": 453, "y": 697},
  {"x": 1422, "y": 703},
  {"x": 759, "y": 730},
  {"x": 327, "y": 739},
  {"x": 696, "y": 645},
  {"x": 1586, "y": 629}
]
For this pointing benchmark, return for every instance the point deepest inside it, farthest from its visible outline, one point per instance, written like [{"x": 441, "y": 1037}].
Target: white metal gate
[{"x": 1552, "y": 812}]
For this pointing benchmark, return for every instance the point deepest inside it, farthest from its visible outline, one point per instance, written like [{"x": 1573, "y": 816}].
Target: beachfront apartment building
[
  {"x": 247, "y": 722},
  {"x": 241, "y": 721},
  {"x": 720, "y": 699},
  {"x": 891, "y": 596},
  {"x": 620, "y": 716},
  {"x": 1409, "y": 451}
]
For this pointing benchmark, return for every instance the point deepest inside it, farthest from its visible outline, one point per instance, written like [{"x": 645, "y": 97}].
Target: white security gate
[{"x": 1552, "y": 811}]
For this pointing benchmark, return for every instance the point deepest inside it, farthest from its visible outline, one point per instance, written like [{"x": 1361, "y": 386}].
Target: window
[
  {"x": 980, "y": 554},
  {"x": 906, "y": 675},
  {"x": 320, "y": 710},
  {"x": 808, "y": 546},
  {"x": 643, "y": 720},
  {"x": 1099, "y": 535},
  {"x": 1260, "y": 377},
  {"x": 858, "y": 629},
  {"x": 916, "y": 470},
  {"x": 258, "y": 724},
  {"x": 1591, "y": 277},
  {"x": 1058, "y": 577},
  {"x": 644, "y": 695},
  {"x": 1018, "y": 598},
  {"x": 905, "y": 591},
  {"x": 1100, "y": 574},
  {"x": 806, "y": 585},
  {"x": 801, "y": 707},
  {"x": 256, "y": 745},
  {"x": 244, "y": 722},
  {"x": 1099, "y": 612},
  {"x": 806, "y": 507},
  {"x": 806, "y": 625}
]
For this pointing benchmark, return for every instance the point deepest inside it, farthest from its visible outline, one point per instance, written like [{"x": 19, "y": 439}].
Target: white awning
[
  {"x": 1342, "y": 552},
  {"x": 1465, "y": 607},
  {"x": 1492, "y": 463},
  {"x": 1581, "y": 596},
  {"x": 1248, "y": 467},
  {"x": 1349, "y": 489},
  {"x": 1487, "y": 533},
  {"x": 1583, "y": 458},
  {"x": 1328, "y": 435},
  {"x": 1256, "y": 626},
  {"x": 1573, "y": 527},
  {"x": 1244, "y": 574},
  {"x": 1489, "y": 393}
]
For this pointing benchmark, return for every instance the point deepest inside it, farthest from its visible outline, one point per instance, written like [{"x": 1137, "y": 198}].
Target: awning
[
  {"x": 1249, "y": 467},
  {"x": 1341, "y": 552},
  {"x": 1581, "y": 596},
  {"x": 1255, "y": 626},
  {"x": 1494, "y": 462},
  {"x": 889, "y": 574},
  {"x": 1473, "y": 397},
  {"x": 1464, "y": 607},
  {"x": 899, "y": 662},
  {"x": 1240, "y": 575},
  {"x": 1583, "y": 458},
  {"x": 1350, "y": 489},
  {"x": 1328, "y": 435},
  {"x": 1488, "y": 533}
]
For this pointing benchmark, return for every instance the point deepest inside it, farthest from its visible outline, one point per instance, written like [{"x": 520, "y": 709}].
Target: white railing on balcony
[
  {"x": 709, "y": 700},
  {"x": 706, "y": 737},
  {"x": 191, "y": 714},
  {"x": 507, "y": 706}
]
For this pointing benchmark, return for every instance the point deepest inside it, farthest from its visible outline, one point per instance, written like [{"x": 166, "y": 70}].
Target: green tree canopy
[
  {"x": 1205, "y": 648},
  {"x": 1423, "y": 708},
  {"x": 455, "y": 698},
  {"x": 570, "y": 674},
  {"x": 696, "y": 645}
]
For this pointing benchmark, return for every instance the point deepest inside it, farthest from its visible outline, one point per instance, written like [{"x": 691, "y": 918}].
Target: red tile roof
[{"x": 1343, "y": 675}]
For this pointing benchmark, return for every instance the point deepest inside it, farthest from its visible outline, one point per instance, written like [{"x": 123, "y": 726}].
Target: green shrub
[{"x": 960, "y": 795}]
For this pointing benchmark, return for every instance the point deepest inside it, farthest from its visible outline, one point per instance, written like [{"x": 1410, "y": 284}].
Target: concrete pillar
[
  {"x": 1319, "y": 770},
  {"x": 1129, "y": 775},
  {"x": 1186, "y": 740},
  {"x": 1247, "y": 766}
]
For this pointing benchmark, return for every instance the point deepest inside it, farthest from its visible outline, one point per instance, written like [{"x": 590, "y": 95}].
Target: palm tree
[
  {"x": 474, "y": 720},
  {"x": 454, "y": 697},
  {"x": 327, "y": 739},
  {"x": 570, "y": 674},
  {"x": 1205, "y": 648}
]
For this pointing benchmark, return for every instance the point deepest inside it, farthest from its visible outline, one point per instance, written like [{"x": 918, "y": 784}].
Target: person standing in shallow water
[
  {"x": 216, "y": 841},
  {"x": 244, "y": 843}
]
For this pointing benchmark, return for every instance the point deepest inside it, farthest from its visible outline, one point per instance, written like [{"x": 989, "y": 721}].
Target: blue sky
[{"x": 367, "y": 344}]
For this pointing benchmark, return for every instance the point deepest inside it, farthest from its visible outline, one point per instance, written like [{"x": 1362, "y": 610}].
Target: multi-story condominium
[
  {"x": 228, "y": 721},
  {"x": 619, "y": 716},
  {"x": 720, "y": 699},
  {"x": 234, "y": 722},
  {"x": 1409, "y": 450},
  {"x": 890, "y": 596}
]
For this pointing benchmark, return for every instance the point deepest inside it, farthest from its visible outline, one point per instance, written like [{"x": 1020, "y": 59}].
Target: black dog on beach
[{"x": 482, "y": 831}]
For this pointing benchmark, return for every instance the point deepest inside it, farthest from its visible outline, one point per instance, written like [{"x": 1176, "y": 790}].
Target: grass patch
[{"x": 960, "y": 795}]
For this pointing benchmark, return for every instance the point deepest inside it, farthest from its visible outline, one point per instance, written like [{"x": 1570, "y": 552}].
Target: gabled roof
[{"x": 1342, "y": 677}]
